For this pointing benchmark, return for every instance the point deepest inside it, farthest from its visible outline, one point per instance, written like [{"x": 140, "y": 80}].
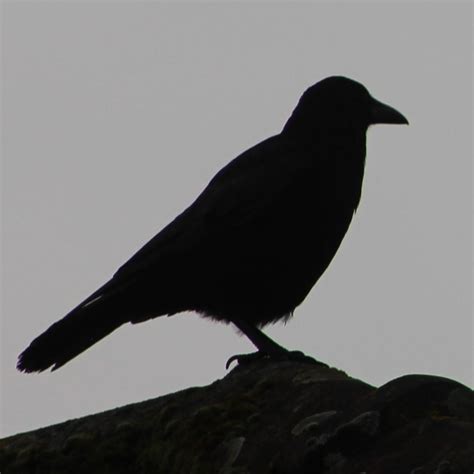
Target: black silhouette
[{"x": 253, "y": 244}]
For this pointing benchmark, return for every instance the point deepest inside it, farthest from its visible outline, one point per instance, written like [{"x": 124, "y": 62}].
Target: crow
[{"x": 253, "y": 243}]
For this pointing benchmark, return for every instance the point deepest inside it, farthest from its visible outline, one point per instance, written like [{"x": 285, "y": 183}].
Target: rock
[{"x": 275, "y": 417}]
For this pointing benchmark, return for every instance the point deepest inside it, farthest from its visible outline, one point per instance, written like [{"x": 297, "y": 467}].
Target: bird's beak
[{"x": 383, "y": 113}]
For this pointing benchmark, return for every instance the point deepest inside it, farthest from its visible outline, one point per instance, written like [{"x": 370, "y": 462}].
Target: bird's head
[{"x": 340, "y": 103}]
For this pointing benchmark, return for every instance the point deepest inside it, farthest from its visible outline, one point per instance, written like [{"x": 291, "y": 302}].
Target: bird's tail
[{"x": 86, "y": 324}]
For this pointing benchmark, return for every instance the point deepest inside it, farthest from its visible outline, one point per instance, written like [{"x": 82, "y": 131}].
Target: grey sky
[{"x": 116, "y": 115}]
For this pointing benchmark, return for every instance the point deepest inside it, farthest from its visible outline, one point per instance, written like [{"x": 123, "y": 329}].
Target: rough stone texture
[{"x": 266, "y": 417}]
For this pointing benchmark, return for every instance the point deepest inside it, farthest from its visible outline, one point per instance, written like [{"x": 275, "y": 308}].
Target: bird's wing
[{"x": 239, "y": 193}]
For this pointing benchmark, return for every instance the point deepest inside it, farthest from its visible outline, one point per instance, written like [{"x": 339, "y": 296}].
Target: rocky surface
[{"x": 266, "y": 417}]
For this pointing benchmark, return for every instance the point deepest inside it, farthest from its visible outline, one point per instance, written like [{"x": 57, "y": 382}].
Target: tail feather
[{"x": 86, "y": 324}]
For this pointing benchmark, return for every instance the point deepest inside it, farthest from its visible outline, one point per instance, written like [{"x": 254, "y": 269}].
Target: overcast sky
[{"x": 116, "y": 115}]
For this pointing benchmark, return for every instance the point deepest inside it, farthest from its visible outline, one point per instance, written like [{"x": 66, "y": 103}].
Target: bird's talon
[{"x": 230, "y": 360}]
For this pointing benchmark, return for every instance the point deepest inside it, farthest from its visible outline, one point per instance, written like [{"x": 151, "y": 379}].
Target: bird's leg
[
  {"x": 266, "y": 347},
  {"x": 260, "y": 340}
]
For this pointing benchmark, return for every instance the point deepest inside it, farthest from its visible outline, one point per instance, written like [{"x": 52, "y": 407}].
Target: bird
[{"x": 251, "y": 246}]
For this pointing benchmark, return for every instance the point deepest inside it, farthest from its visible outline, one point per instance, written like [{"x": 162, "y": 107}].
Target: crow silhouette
[{"x": 254, "y": 242}]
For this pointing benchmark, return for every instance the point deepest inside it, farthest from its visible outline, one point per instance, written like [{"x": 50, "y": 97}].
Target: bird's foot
[
  {"x": 284, "y": 355},
  {"x": 243, "y": 359}
]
